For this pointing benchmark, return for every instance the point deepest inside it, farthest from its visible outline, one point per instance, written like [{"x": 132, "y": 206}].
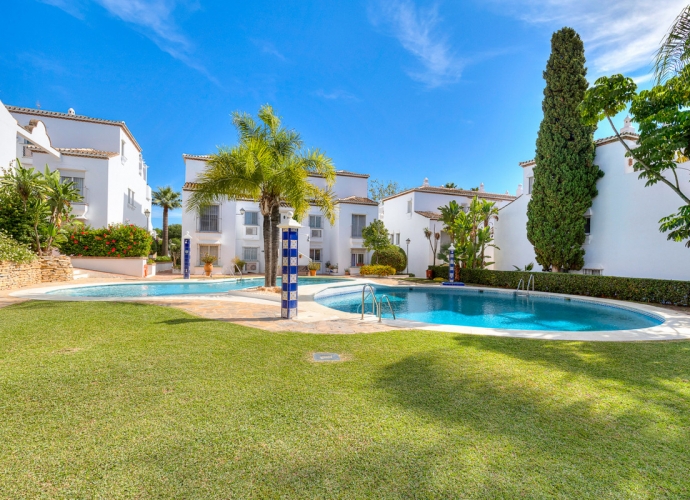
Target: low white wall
[
  {"x": 131, "y": 266},
  {"x": 163, "y": 266}
]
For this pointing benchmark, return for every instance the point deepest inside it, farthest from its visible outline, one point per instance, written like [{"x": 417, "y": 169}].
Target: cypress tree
[{"x": 565, "y": 175}]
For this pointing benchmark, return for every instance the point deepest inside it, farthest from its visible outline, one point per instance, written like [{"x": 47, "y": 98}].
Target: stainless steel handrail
[
  {"x": 531, "y": 280},
  {"x": 389, "y": 306},
  {"x": 238, "y": 270},
  {"x": 373, "y": 298},
  {"x": 520, "y": 283}
]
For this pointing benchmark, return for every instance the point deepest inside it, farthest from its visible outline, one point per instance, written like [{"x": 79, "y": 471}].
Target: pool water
[
  {"x": 178, "y": 287},
  {"x": 492, "y": 309}
]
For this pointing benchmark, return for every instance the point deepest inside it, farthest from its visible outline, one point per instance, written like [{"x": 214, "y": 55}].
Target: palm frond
[{"x": 674, "y": 52}]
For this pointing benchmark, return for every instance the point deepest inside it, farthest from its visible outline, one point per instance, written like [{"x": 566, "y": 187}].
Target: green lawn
[{"x": 122, "y": 400}]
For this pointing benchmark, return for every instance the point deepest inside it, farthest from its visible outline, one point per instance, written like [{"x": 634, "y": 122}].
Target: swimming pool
[
  {"x": 178, "y": 287},
  {"x": 492, "y": 309}
]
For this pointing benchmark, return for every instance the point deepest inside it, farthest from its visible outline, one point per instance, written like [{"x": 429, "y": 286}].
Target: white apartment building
[
  {"x": 623, "y": 237},
  {"x": 234, "y": 228},
  {"x": 100, "y": 156},
  {"x": 408, "y": 213}
]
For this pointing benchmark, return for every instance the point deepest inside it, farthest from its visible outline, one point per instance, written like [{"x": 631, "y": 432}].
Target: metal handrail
[
  {"x": 531, "y": 280},
  {"x": 389, "y": 306},
  {"x": 521, "y": 283},
  {"x": 373, "y": 298},
  {"x": 238, "y": 270}
]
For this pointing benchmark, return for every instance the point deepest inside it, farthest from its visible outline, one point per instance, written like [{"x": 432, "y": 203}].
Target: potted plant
[
  {"x": 313, "y": 267},
  {"x": 208, "y": 261},
  {"x": 334, "y": 269}
]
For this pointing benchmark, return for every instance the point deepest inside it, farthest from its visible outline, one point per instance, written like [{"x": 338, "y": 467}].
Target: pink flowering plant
[{"x": 117, "y": 240}]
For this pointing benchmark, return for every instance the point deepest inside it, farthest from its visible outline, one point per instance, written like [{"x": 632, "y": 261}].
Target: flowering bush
[
  {"x": 118, "y": 240},
  {"x": 377, "y": 270},
  {"x": 13, "y": 251}
]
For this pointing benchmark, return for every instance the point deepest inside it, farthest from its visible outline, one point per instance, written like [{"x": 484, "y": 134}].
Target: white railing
[
  {"x": 251, "y": 230},
  {"x": 317, "y": 233}
]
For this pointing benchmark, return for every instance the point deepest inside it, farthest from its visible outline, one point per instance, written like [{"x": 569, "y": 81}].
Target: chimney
[
  {"x": 627, "y": 126},
  {"x": 519, "y": 190},
  {"x": 71, "y": 112},
  {"x": 481, "y": 187},
  {"x": 426, "y": 182}
]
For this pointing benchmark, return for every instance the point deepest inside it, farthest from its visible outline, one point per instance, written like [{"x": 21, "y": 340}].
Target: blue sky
[{"x": 400, "y": 89}]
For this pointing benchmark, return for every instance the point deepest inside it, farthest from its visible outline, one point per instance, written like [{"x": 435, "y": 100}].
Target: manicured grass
[{"x": 122, "y": 400}]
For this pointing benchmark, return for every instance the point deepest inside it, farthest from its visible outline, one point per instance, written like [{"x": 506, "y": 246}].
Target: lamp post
[
  {"x": 186, "y": 257},
  {"x": 407, "y": 256},
  {"x": 147, "y": 213},
  {"x": 289, "y": 254}
]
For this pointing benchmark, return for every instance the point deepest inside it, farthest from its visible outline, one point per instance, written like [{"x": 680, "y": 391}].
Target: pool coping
[{"x": 675, "y": 326}]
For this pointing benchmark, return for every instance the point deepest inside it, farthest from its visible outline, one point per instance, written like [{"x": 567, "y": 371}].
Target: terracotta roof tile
[
  {"x": 78, "y": 118},
  {"x": 455, "y": 192},
  {"x": 429, "y": 215},
  {"x": 83, "y": 152},
  {"x": 599, "y": 142},
  {"x": 357, "y": 200}
]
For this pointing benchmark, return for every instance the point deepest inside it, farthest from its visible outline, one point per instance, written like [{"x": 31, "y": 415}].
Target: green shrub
[
  {"x": 390, "y": 256},
  {"x": 163, "y": 258},
  {"x": 13, "y": 251},
  {"x": 118, "y": 240},
  {"x": 615, "y": 287},
  {"x": 377, "y": 270}
]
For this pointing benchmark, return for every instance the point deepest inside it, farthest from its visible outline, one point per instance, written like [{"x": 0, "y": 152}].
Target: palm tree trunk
[
  {"x": 268, "y": 245},
  {"x": 165, "y": 231},
  {"x": 276, "y": 237}
]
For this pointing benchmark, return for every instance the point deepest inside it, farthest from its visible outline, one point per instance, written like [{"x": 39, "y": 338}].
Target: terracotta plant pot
[
  {"x": 208, "y": 268},
  {"x": 429, "y": 274},
  {"x": 312, "y": 272}
]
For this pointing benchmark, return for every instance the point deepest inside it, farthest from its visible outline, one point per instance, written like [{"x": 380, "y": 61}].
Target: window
[
  {"x": 77, "y": 181},
  {"x": 122, "y": 151},
  {"x": 251, "y": 218},
  {"x": 130, "y": 198},
  {"x": 315, "y": 221},
  {"x": 359, "y": 222},
  {"x": 315, "y": 254},
  {"x": 397, "y": 239},
  {"x": 530, "y": 184},
  {"x": 357, "y": 259},
  {"x": 209, "y": 219},
  {"x": 409, "y": 206},
  {"x": 251, "y": 230},
  {"x": 250, "y": 254},
  {"x": 209, "y": 250},
  {"x": 592, "y": 272},
  {"x": 588, "y": 224}
]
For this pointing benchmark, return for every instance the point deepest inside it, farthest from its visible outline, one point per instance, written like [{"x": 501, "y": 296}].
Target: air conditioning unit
[
  {"x": 251, "y": 230},
  {"x": 317, "y": 233},
  {"x": 251, "y": 267}
]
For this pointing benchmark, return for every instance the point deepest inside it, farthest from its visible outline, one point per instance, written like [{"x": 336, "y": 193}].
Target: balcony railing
[{"x": 316, "y": 233}]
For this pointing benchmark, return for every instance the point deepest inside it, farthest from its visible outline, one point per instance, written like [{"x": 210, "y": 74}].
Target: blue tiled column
[
  {"x": 186, "y": 257},
  {"x": 288, "y": 308}
]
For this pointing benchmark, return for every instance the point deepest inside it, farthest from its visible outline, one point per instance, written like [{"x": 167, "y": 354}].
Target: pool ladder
[
  {"x": 376, "y": 305},
  {"x": 521, "y": 285},
  {"x": 239, "y": 271}
]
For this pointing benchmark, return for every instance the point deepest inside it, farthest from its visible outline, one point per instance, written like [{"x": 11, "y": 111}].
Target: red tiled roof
[
  {"x": 455, "y": 192},
  {"x": 599, "y": 142},
  {"x": 78, "y": 118},
  {"x": 83, "y": 152},
  {"x": 429, "y": 215},
  {"x": 357, "y": 200}
]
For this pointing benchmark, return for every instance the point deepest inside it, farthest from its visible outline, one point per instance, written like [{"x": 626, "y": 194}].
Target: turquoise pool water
[
  {"x": 178, "y": 287},
  {"x": 491, "y": 309}
]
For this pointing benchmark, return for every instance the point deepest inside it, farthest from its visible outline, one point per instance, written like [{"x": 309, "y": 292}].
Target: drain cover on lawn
[{"x": 326, "y": 356}]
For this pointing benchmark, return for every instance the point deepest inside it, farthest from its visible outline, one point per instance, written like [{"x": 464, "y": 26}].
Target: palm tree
[
  {"x": 169, "y": 199},
  {"x": 451, "y": 185},
  {"x": 674, "y": 52},
  {"x": 268, "y": 166},
  {"x": 26, "y": 182}
]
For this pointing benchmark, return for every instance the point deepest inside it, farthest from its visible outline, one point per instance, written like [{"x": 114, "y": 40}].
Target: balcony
[{"x": 316, "y": 233}]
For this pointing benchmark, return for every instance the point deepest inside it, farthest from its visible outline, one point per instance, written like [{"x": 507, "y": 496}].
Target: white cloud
[
  {"x": 153, "y": 18},
  {"x": 619, "y": 36},
  {"x": 336, "y": 94},
  {"x": 418, "y": 32},
  {"x": 268, "y": 48}
]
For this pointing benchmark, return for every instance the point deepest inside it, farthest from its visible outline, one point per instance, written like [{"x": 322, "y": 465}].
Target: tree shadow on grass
[
  {"x": 571, "y": 434},
  {"x": 183, "y": 321}
]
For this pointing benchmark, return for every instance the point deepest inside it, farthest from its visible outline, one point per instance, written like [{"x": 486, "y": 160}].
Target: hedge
[
  {"x": 13, "y": 251},
  {"x": 390, "y": 256},
  {"x": 117, "y": 240},
  {"x": 633, "y": 289},
  {"x": 377, "y": 270}
]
